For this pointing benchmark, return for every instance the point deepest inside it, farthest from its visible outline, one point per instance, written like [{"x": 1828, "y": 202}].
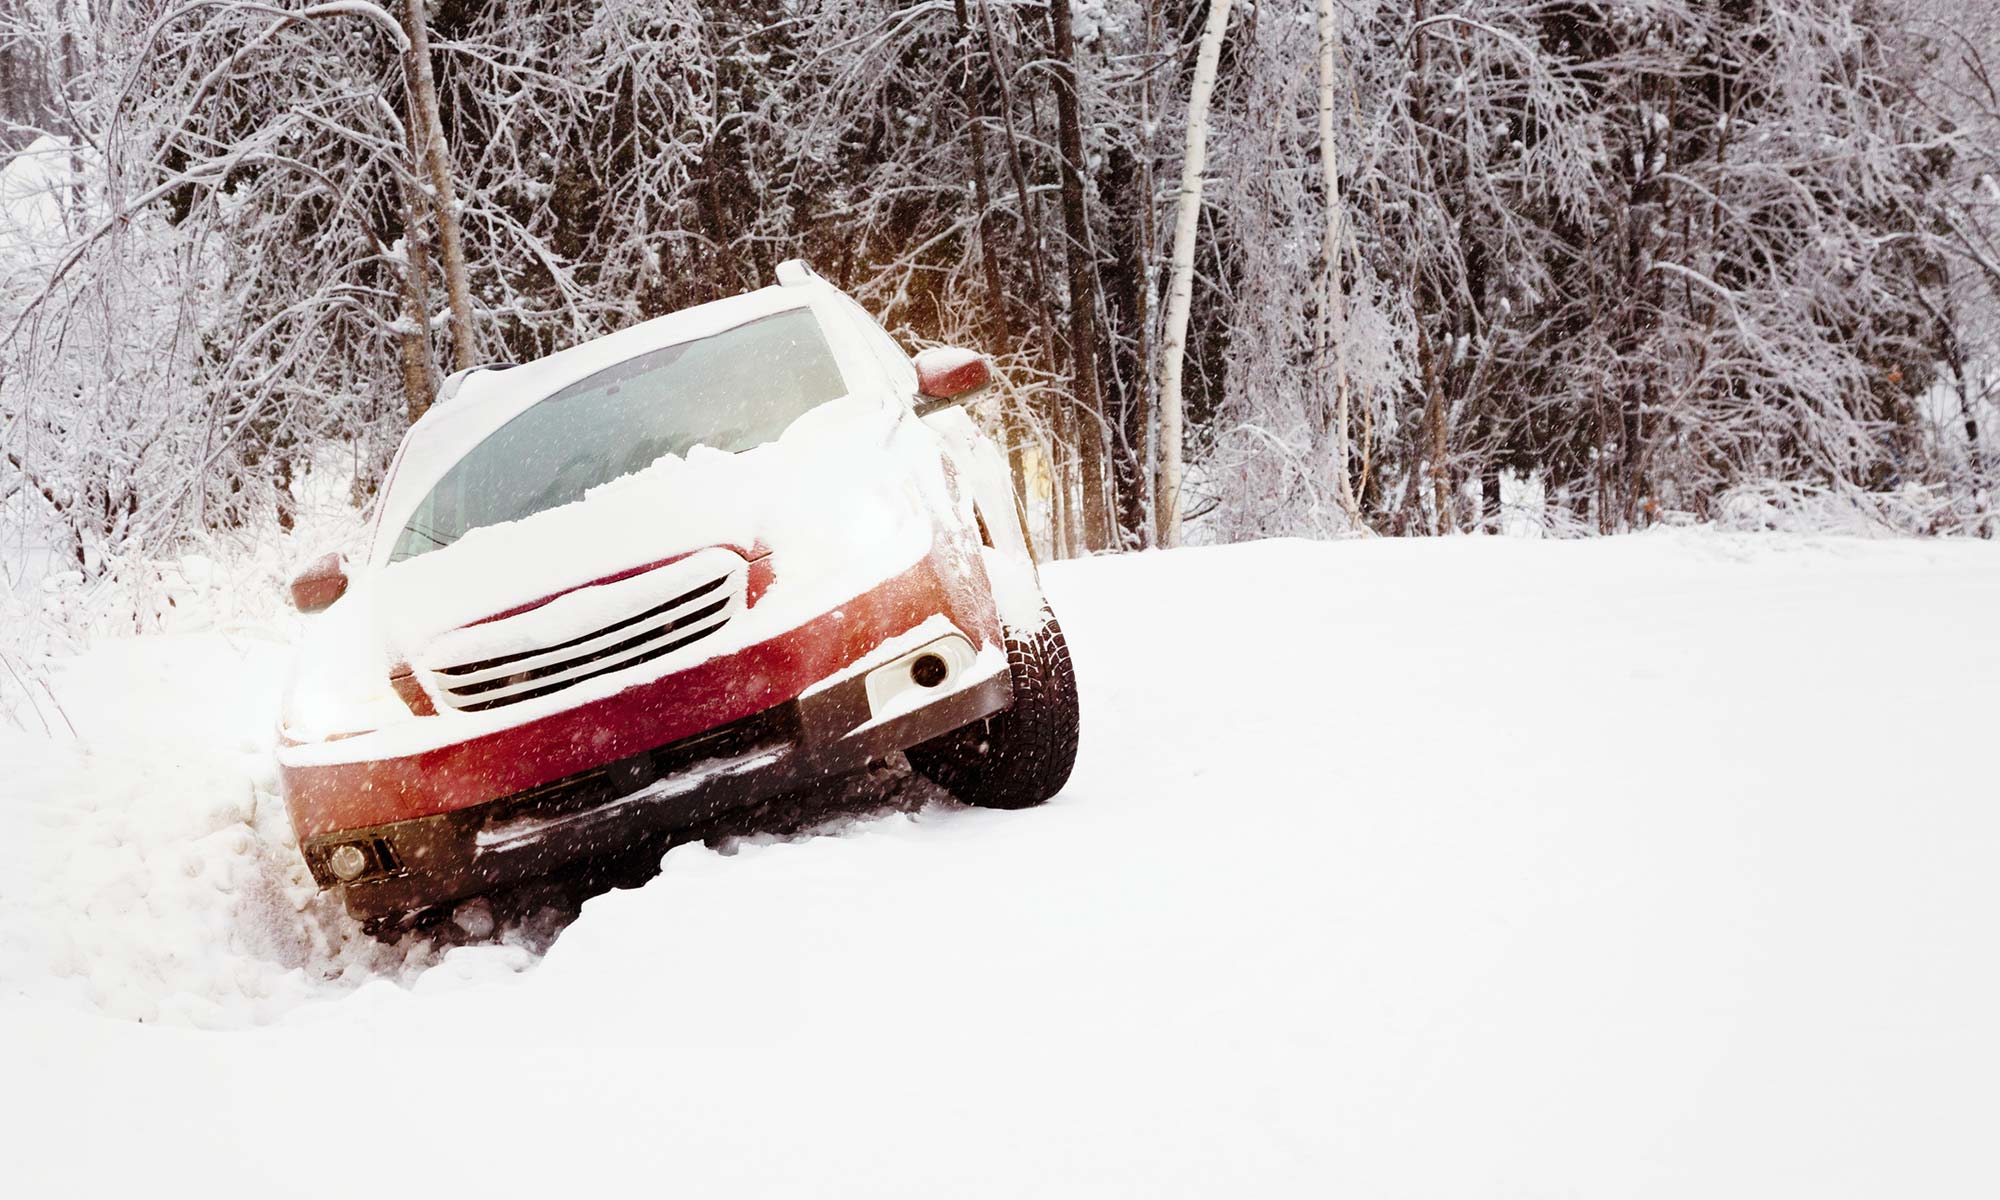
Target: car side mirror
[
  {"x": 947, "y": 373},
  {"x": 322, "y": 582}
]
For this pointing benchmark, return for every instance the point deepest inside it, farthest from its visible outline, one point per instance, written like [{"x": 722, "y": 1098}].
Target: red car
[{"x": 719, "y": 556}]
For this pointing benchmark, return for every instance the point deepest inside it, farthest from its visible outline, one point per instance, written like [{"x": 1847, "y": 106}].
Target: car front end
[
  {"x": 401, "y": 826},
  {"x": 593, "y": 612}
]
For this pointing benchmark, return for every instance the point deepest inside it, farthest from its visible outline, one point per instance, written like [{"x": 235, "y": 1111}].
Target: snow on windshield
[{"x": 737, "y": 389}]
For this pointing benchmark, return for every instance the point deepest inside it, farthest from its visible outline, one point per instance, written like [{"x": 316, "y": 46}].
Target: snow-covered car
[{"x": 716, "y": 557}]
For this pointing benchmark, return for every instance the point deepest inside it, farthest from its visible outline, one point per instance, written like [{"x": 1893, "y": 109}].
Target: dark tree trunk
[
  {"x": 1059, "y": 518},
  {"x": 1125, "y": 303},
  {"x": 999, "y": 329},
  {"x": 1082, "y": 284},
  {"x": 73, "y": 207}
]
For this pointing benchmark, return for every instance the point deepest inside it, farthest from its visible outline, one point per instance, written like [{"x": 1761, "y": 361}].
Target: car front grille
[{"x": 694, "y": 613}]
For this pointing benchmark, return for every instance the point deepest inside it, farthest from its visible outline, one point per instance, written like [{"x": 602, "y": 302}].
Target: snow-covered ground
[{"x": 1652, "y": 866}]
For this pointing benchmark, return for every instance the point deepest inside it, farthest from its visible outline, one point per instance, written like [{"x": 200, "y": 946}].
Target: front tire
[{"x": 1022, "y": 756}]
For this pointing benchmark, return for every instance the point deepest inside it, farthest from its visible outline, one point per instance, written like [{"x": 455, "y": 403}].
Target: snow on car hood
[{"x": 842, "y": 501}]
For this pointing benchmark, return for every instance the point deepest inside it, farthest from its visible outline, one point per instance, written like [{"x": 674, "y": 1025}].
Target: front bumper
[
  {"x": 821, "y": 735},
  {"x": 459, "y": 818}
]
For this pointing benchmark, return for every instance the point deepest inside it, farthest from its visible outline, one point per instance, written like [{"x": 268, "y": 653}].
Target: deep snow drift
[{"x": 1653, "y": 866}]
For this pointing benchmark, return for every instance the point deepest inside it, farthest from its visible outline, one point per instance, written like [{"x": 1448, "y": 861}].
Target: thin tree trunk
[
  {"x": 1122, "y": 276},
  {"x": 1062, "y": 402},
  {"x": 1082, "y": 284},
  {"x": 429, "y": 130},
  {"x": 413, "y": 345},
  {"x": 1059, "y": 524},
  {"x": 74, "y": 217},
  {"x": 1142, "y": 308},
  {"x": 999, "y": 328},
  {"x": 1956, "y": 358},
  {"x": 1141, "y": 423},
  {"x": 1333, "y": 326},
  {"x": 1180, "y": 284},
  {"x": 1434, "y": 420},
  {"x": 1976, "y": 461},
  {"x": 414, "y": 341}
]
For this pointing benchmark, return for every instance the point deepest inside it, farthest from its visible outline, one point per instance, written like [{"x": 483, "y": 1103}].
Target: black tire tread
[{"x": 1020, "y": 757}]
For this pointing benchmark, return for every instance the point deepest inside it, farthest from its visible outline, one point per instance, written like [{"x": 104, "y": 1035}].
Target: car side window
[{"x": 895, "y": 363}]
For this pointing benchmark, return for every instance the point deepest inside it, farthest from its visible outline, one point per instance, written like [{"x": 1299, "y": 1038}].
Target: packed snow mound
[
  {"x": 1651, "y": 866},
  {"x": 149, "y": 868}
]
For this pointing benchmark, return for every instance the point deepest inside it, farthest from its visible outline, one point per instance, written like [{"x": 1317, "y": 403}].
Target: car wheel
[{"x": 1022, "y": 756}]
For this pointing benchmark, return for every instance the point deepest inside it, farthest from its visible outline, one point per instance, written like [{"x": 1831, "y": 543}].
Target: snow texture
[{"x": 1658, "y": 866}]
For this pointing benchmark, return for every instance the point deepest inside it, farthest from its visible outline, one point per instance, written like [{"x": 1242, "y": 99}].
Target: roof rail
[
  {"x": 795, "y": 271},
  {"x": 448, "y": 390}
]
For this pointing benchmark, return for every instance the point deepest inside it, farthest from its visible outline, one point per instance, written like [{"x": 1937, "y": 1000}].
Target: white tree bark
[
  {"x": 1333, "y": 312},
  {"x": 1180, "y": 280},
  {"x": 423, "y": 117},
  {"x": 1149, "y": 275}
]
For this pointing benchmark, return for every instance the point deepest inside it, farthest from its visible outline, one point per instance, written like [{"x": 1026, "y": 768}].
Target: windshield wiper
[{"x": 425, "y": 532}]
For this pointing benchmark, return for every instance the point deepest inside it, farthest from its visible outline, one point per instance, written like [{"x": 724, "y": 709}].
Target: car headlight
[{"x": 322, "y": 710}]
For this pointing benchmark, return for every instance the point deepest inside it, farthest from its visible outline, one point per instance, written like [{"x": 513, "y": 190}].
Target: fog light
[
  {"x": 929, "y": 670},
  {"x": 347, "y": 862},
  {"x": 921, "y": 675}
]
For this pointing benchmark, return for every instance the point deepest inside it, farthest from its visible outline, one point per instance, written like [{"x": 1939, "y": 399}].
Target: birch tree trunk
[
  {"x": 1180, "y": 279},
  {"x": 1333, "y": 312},
  {"x": 1149, "y": 462},
  {"x": 429, "y": 133}
]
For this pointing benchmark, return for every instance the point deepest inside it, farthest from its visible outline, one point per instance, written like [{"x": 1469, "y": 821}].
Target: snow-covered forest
[
  {"x": 1569, "y": 267},
  {"x": 676, "y": 768}
]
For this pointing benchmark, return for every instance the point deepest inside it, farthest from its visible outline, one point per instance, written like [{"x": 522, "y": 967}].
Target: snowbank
[{"x": 1653, "y": 866}]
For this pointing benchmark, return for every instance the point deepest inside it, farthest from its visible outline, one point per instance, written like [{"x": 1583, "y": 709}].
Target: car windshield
[{"x": 734, "y": 390}]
